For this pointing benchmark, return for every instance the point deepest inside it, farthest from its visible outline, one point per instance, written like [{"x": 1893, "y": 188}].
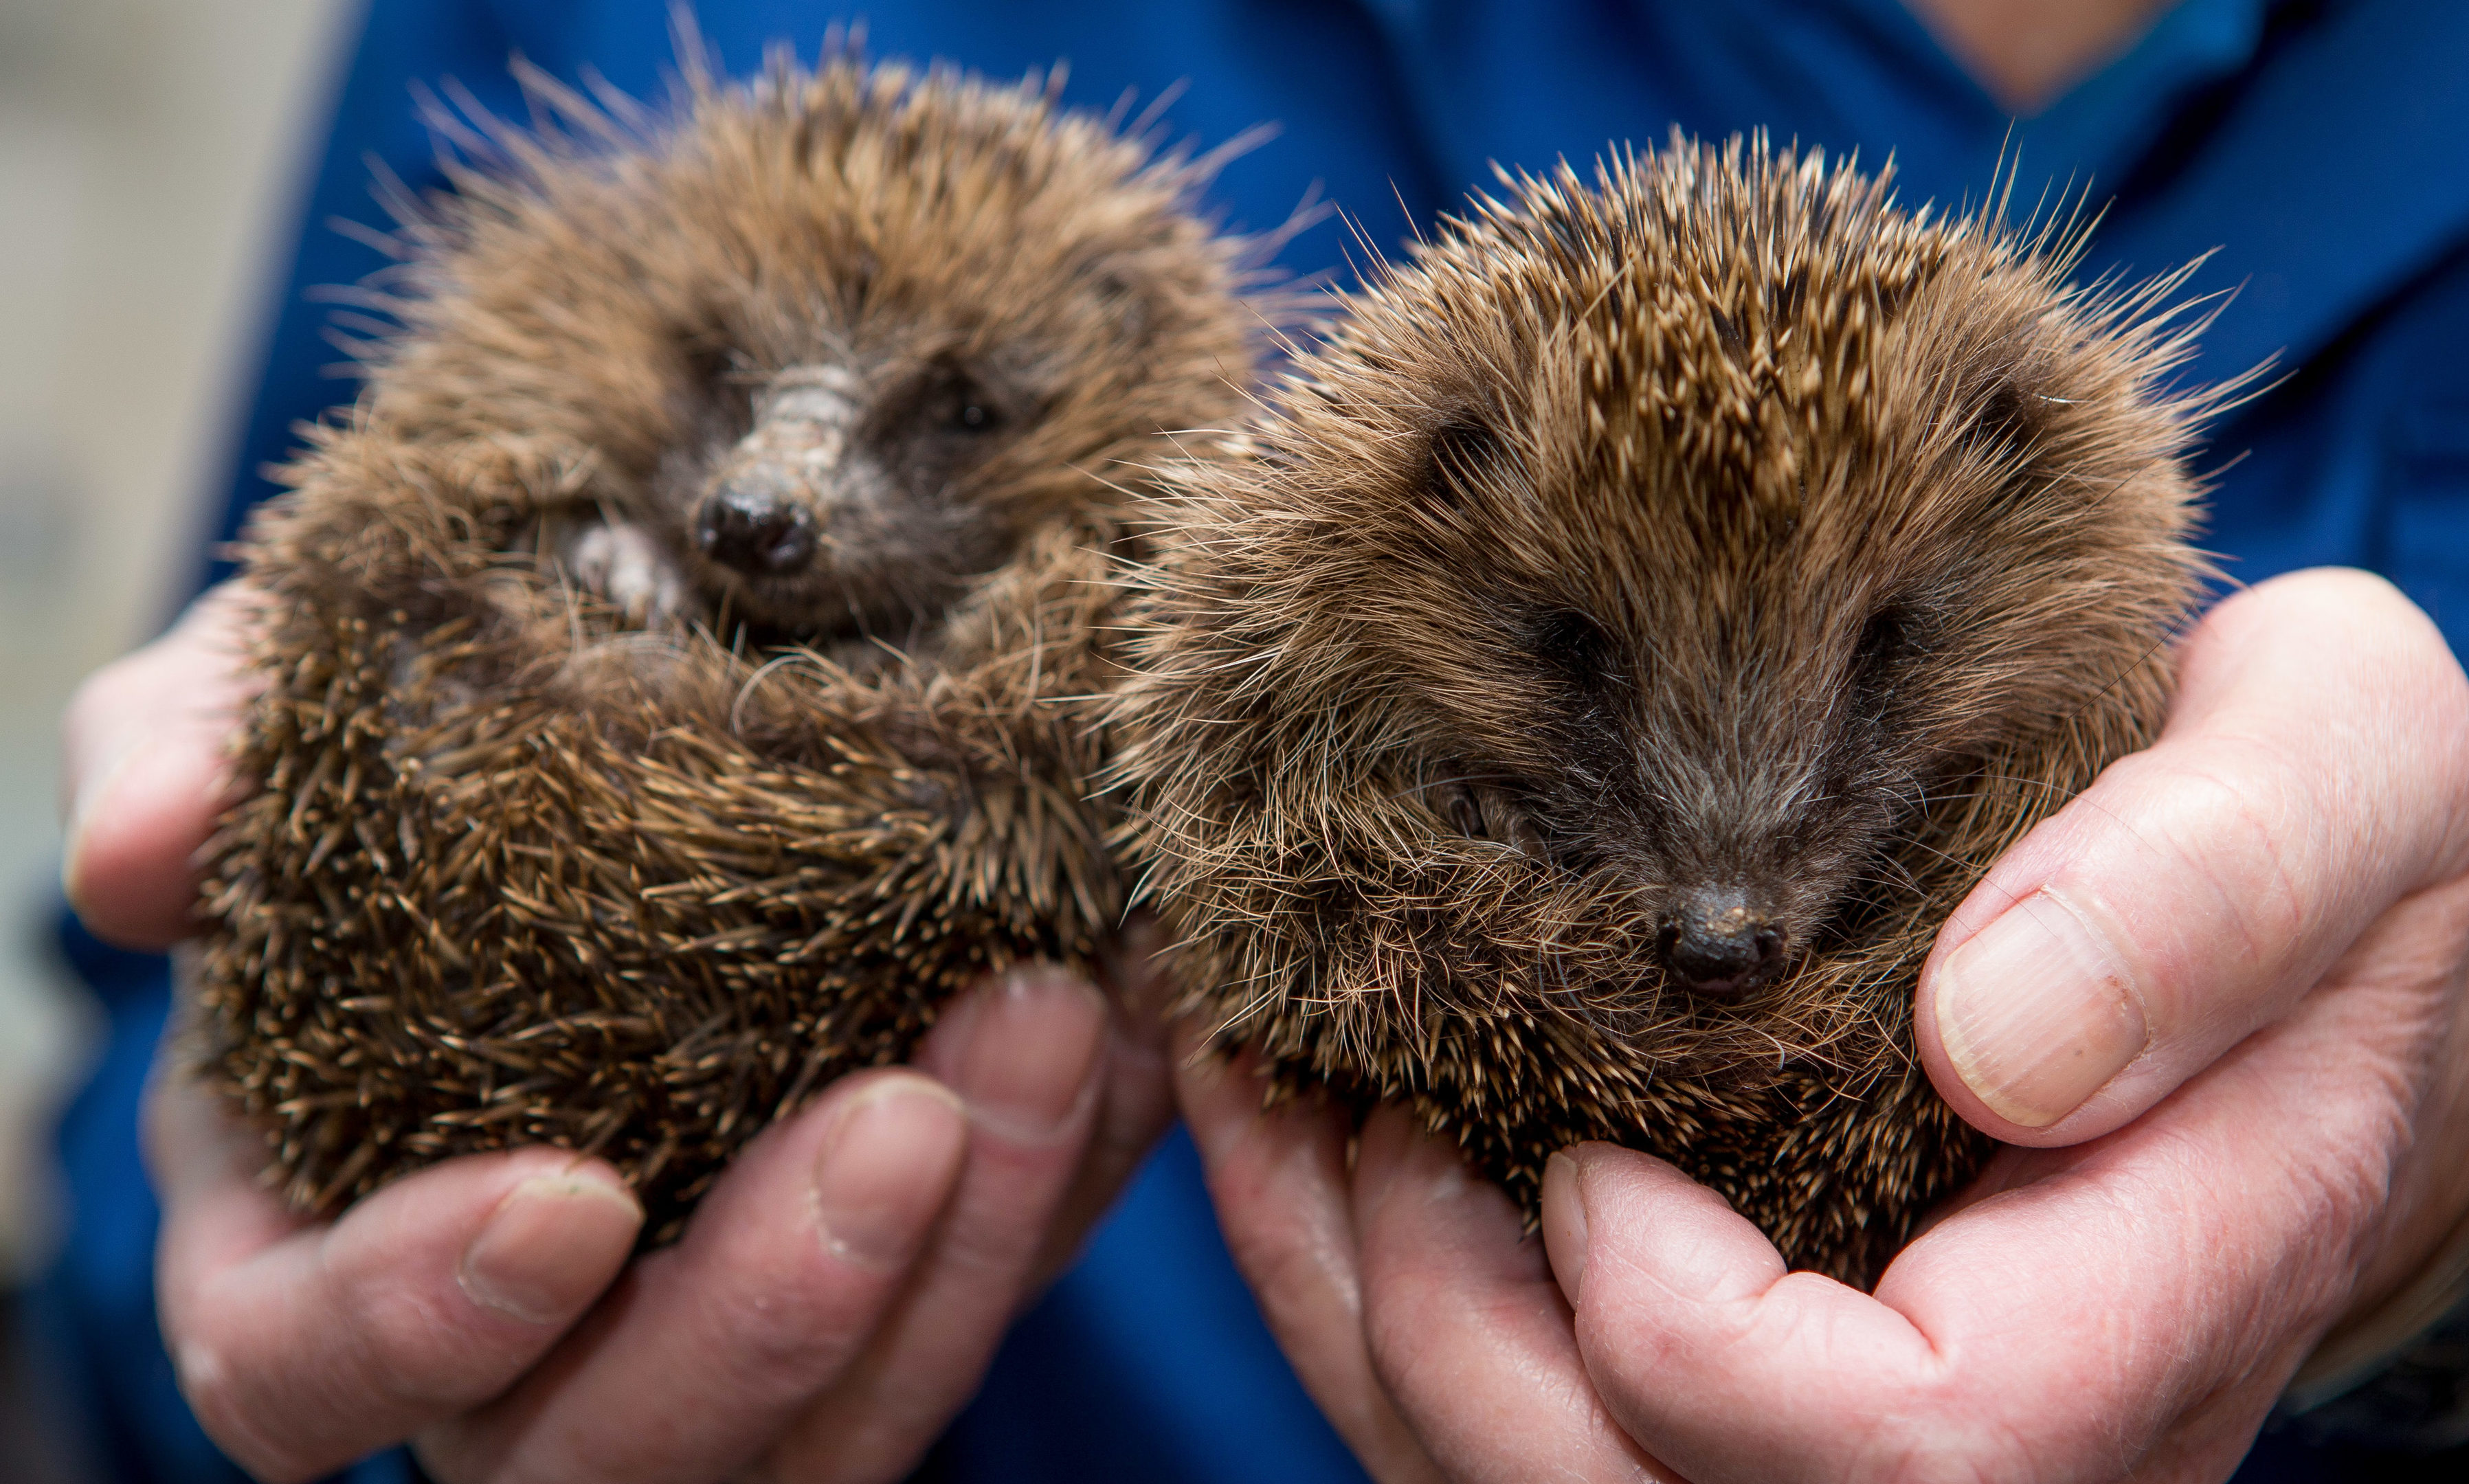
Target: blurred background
[{"x": 149, "y": 151}]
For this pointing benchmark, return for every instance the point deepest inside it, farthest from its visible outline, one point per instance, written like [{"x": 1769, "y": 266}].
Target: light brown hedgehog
[
  {"x": 1639, "y": 624},
  {"x": 679, "y": 663}
]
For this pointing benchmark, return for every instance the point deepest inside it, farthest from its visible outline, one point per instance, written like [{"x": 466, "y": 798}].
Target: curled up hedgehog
[
  {"x": 676, "y": 665},
  {"x": 1638, "y": 625}
]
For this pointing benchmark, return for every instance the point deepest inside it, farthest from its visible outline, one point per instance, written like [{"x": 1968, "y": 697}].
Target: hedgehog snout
[
  {"x": 761, "y": 512},
  {"x": 1718, "y": 943},
  {"x": 757, "y": 523}
]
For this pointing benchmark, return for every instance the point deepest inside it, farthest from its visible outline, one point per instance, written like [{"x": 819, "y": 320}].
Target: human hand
[
  {"x": 832, "y": 1304},
  {"x": 2231, "y": 1034}
]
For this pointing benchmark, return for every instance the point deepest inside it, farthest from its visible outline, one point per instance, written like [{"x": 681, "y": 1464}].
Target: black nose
[
  {"x": 1718, "y": 943},
  {"x": 755, "y": 526}
]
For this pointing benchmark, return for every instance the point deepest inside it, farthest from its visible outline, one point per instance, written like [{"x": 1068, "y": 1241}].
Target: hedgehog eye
[
  {"x": 954, "y": 401},
  {"x": 969, "y": 410},
  {"x": 2001, "y": 418},
  {"x": 1888, "y": 641},
  {"x": 718, "y": 392},
  {"x": 1574, "y": 646},
  {"x": 1461, "y": 448}
]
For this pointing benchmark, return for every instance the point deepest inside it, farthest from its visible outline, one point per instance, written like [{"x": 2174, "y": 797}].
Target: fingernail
[
  {"x": 550, "y": 1246},
  {"x": 2036, "y": 1014},
  {"x": 1565, "y": 1208},
  {"x": 1030, "y": 1043},
  {"x": 886, "y": 1167}
]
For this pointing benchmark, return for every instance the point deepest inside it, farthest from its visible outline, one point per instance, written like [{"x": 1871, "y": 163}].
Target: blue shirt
[{"x": 2314, "y": 147}]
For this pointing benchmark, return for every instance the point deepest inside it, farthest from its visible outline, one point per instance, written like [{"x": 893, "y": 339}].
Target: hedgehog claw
[{"x": 619, "y": 561}]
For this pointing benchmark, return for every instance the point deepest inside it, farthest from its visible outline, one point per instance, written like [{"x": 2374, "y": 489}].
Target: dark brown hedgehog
[
  {"x": 678, "y": 666},
  {"x": 1637, "y": 628}
]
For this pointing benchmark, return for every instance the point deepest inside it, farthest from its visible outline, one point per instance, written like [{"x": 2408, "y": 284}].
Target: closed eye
[
  {"x": 1573, "y": 647},
  {"x": 1887, "y": 645}
]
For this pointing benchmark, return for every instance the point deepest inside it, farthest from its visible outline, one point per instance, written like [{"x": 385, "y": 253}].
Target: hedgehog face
[
  {"x": 1694, "y": 540},
  {"x": 838, "y": 501},
  {"x": 1731, "y": 710},
  {"x": 817, "y": 359},
  {"x": 1731, "y": 661},
  {"x": 1641, "y": 621}
]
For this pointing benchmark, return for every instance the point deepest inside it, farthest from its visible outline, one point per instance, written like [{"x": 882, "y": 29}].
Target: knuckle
[
  {"x": 409, "y": 1356},
  {"x": 1404, "y": 1312},
  {"x": 1289, "y": 1278},
  {"x": 85, "y": 703},
  {"x": 400, "y": 1349},
  {"x": 99, "y": 702},
  {"x": 229, "y": 1411},
  {"x": 800, "y": 1327},
  {"x": 2239, "y": 829},
  {"x": 976, "y": 1243}
]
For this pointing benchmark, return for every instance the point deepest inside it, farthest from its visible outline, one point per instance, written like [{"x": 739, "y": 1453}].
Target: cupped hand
[
  {"x": 2222, "y": 996},
  {"x": 831, "y": 1305}
]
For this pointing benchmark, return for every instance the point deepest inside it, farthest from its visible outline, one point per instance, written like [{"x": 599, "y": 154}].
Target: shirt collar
[{"x": 2107, "y": 123}]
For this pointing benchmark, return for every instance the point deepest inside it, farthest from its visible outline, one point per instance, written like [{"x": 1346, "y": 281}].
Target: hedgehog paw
[{"x": 620, "y": 562}]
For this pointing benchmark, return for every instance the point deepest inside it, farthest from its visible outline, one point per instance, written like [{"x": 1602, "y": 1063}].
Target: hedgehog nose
[
  {"x": 1717, "y": 943},
  {"x": 754, "y": 525}
]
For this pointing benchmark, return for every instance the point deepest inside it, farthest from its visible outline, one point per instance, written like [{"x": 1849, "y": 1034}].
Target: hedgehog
[
  {"x": 1630, "y": 633},
  {"x": 676, "y": 665}
]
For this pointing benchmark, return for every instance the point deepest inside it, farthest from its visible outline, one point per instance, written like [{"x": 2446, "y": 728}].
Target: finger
[
  {"x": 2130, "y": 1304},
  {"x": 145, "y": 775},
  {"x": 1281, "y": 1184},
  {"x": 706, "y": 1350},
  {"x": 2198, "y": 889},
  {"x": 1467, "y": 1329},
  {"x": 1136, "y": 1097},
  {"x": 301, "y": 1347},
  {"x": 1673, "y": 1288},
  {"x": 1025, "y": 1056}
]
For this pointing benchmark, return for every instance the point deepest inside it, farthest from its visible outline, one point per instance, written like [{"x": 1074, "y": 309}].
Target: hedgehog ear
[
  {"x": 1462, "y": 448},
  {"x": 1133, "y": 314},
  {"x": 2009, "y": 415},
  {"x": 2000, "y": 419},
  {"x": 1573, "y": 646}
]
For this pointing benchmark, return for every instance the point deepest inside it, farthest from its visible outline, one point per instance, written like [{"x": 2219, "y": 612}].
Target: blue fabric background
[{"x": 2316, "y": 145}]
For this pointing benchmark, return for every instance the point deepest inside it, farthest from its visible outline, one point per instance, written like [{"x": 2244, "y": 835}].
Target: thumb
[
  {"x": 2314, "y": 771},
  {"x": 144, "y": 774}
]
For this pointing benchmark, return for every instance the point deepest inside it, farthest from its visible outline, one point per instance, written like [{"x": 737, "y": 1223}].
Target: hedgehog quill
[
  {"x": 1636, "y": 628},
  {"x": 678, "y": 661}
]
